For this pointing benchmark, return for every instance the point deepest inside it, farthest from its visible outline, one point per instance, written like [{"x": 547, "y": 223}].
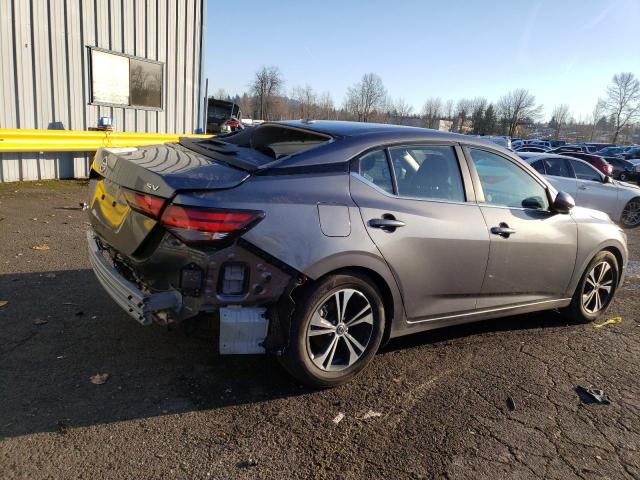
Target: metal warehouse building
[{"x": 66, "y": 63}]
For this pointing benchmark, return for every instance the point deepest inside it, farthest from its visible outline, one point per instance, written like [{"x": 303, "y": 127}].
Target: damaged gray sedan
[{"x": 319, "y": 241}]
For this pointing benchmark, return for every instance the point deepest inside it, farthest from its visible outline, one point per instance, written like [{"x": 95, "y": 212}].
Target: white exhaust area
[{"x": 242, "y": 330}]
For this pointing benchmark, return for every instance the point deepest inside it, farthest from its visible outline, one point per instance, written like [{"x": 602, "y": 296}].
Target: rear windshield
[
  {"x": 276, "y": 141},
  {"x": 251, "y": 148}
]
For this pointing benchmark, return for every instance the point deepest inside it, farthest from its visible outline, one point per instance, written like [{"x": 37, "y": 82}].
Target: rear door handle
[
  {"x": 503, "y": 230},
  {"x": 388, "y": 224}
]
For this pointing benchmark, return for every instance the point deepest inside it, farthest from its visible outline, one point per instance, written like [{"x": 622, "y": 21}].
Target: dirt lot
[{"x": 173, "y": 408}]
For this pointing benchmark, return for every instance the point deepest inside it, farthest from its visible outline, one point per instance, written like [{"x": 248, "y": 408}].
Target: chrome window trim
[{"x": 398, "y": 197}]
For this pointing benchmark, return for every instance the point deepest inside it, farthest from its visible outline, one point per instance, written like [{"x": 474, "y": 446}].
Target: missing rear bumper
[{"x": 139, "y": 305}]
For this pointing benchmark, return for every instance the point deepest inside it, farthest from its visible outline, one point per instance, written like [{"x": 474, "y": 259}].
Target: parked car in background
[
  {"x": 318, "y": 241},
  {"x": 595, "y": 160},
  {"x": 532, "y": 148},
  {"x": 636, "y": 168},
  {"x": 569, "y": 148},
  {"x": 594, "y": 147},
  {"x": 632, "y": 153},
  {"x": 611, "y": 152},
  {"x": 589, "y": 187},
  {"x": 623, "y": 170}
]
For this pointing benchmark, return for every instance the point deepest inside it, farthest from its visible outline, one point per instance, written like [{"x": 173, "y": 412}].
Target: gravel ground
[{"x": 489, "y": 400}]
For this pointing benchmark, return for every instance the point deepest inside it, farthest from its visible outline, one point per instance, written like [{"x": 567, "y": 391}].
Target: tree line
[{"x": 515, "y": 113}]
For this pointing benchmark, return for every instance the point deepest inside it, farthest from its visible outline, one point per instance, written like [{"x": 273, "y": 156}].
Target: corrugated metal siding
[{"x": 45, "y": 81}]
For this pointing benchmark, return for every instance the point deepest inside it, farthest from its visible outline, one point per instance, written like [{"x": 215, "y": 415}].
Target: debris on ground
[
  {"x": 592, "y": 395},
  {"x": 50, "y": 275},
  {"x": 4, "y": 303},
  {"x": 511, "y": 404},
  {"x": 42, "y": 247},
  {"x": 71, "y": 303},
  {"x": 371, "y": 414},
  {"x": 40, "y": 321},
  {"x": 99, "y": 378},
  {"x": 248, "y": 463},
  {"x": 338, "y": 418},
  {"x": 611, "y": 321}
]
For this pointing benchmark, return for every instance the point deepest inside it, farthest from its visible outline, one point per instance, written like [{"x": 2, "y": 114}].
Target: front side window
[
  {"x": 506, "y": 184},
  {"x": 375, "y": 168},
  {"x": 429, "y": 172},
  {"x": 585, "y": 171},
  {"x": 127, "y": 81}
]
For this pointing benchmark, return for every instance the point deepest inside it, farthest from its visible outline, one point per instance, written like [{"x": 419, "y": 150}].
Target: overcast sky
[{"x": 563, "y": 51}]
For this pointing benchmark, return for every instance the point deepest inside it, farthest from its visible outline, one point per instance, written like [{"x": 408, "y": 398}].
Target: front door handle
[
  {"x": 582, "y": 187},
  {"x": 503, "y": 230},
  {"x": 387, "y": 224}
]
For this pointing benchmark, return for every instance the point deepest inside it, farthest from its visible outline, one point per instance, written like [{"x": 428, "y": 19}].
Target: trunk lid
[{"x": 160, "y": 171}]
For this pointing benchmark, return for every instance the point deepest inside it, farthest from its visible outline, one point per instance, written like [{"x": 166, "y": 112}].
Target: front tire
[
  {"x": 630, "y": 217},
  {"x": 336, "y": 330},
  {"x": 596, "y": 289}
]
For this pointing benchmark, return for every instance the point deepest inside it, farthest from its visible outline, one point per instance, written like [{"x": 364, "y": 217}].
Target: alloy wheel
[
  {"x": 340, "y": 330},
  {"x": 598, "y": 287},
  {"x": 631, "y": 214}
]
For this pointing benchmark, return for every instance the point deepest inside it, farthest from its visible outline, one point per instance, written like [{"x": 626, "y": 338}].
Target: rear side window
[
  {"x": 539, "y": 166},
  {"x": 557, "y": 167},
  {"x": 375, "y": 168},
  {"x": 585, "y": 171},
  {"x": 429, "y": 172}
]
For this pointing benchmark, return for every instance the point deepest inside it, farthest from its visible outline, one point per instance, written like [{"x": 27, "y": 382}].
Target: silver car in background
[{"x": 589, "y": 187}]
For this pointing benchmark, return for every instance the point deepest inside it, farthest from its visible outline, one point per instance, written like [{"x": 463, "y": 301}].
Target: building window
[{"x": 126, "y": 81}]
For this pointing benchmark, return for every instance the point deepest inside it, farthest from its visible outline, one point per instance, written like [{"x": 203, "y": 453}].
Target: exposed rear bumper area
[{"x": 131, "y": 299}]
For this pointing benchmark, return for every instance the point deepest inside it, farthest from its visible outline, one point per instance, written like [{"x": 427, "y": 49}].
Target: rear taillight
[
  {"x": 143, "y": 203},
  {"x": 202, "y": 225}
]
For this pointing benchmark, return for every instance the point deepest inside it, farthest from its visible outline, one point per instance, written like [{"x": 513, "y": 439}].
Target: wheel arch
[{"x": 379, "y": 273}]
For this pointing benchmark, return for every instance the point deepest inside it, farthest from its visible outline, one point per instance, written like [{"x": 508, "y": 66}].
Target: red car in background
[{"x": 596, "y": 160}]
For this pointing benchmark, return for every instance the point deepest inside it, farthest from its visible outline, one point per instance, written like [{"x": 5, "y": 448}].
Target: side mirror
[
  {"x": 563, "y": 203},
  {"x": 607, "y": 179}
]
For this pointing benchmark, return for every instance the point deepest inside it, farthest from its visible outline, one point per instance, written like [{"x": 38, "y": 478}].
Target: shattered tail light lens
[
  {"x": 143, "y": 203},
  {"x": 203, "y": 225}
]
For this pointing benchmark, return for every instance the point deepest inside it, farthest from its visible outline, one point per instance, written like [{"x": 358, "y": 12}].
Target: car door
[
  {"x": 533, "y": 250},
  {"x": 592, "y": 191},
  {"x": 418, "y": 207}
]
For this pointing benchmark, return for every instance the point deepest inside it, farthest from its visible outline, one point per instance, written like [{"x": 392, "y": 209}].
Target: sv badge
[{"x": 152, "y": 187}]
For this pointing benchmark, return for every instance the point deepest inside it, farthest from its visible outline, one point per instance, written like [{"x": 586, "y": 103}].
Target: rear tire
[
  {"x": 596, "y": 289},
  {"x": 336, "y": 329}
]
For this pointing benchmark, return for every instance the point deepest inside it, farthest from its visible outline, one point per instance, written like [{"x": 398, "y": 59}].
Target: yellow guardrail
[{"x": 21, "y": 140}]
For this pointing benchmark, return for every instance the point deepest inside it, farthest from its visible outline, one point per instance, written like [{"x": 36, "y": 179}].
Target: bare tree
[
  {"x": 432, "y": 111},
  {"x": 306, "y": 99},
  {"x": 478, "y": 106},
  {"x": 448, "y": 109},
  {"x": 221, "y": 94},
  {"x": 596, "y": 115},
  {"x": 516, "y": 107},
  {"x": 365, "y": 97},
  {"x": 266, "y": 85},
  {"x": 463, "y": 111},
  {"x": 561, "y": 117},
  {"x": 401, "y": 110},
  {"x": 623, "y": 101},
  {"x": 326, "y": 107}
]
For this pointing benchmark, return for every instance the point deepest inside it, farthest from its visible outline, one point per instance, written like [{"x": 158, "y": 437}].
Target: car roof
[
  {"x": 337, "y": 128},
  {"x": 533, "y": 156}
]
